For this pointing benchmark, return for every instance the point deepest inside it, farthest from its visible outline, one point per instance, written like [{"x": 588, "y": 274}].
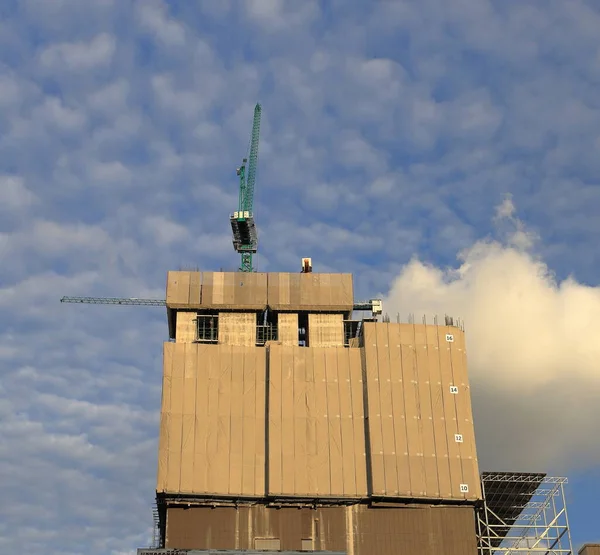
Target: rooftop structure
[{"x": 285, "y": 421}]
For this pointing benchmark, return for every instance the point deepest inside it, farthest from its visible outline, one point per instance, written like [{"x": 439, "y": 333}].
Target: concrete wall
[{"x": 357, "y": 529}]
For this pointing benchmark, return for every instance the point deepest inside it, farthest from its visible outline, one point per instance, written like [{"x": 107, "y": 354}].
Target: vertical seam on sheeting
[
  {"x": 230, "y": 446},
  {"x": 327, "y": 420},
  {"x": 166, "y": 475},
  {"x": 267, "y": 445},
  {"x": 195, "y": 421},
  {"x": 393, "y": 405},
  {"x": 293, "y": 407},
  {"x": 417, "y": 393},
  {"x": 340, "y": 420},
  {"x": 406, "y": 434},
  {"x": 243, "y": 401},
  {"x": 181, "y": 401},
  {"x": 391, "y": 391},
  {"x": 431, "y": 403},
  {"x": 281, "y": 423},
  {"x": 380, "y": 407},
  {"x": 366, "y": 421},
  {"x": 440, "y": 374},
  {"x": 351, "y": 415}
]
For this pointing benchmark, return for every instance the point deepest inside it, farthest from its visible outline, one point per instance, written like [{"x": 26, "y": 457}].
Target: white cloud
[
  {"x": 531, "y": 349},
  {"x": 14, "y": 195},
  {"x": 153, "y": 16},
  {"x": 164, "y": 231},
  {"x": 78, "y": 56}
]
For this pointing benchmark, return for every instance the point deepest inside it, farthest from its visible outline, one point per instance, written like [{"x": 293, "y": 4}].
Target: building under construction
[{"x": 286, "y": 425}]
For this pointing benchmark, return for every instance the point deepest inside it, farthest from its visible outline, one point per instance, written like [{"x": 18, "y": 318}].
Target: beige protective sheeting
[
  {"x": 316, "y": 441},
  {"x": 326, "y": 330},
  {"x": 178, "y": 289},
  {"x": 254, "y": 291},
  {"x": 237, "y": 328},
  {"x": 212, "y": 432},
  {"x": 217, "y": 290},
  {"x": 287, "y": 328},
  {"x": 241, "y": 290},
  {"x": 185, "y": 331},
  {"x": 415, "y": 420},
  {"x": 312, "y": 291}
]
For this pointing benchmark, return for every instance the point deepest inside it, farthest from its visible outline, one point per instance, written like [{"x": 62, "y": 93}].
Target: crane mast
[{"x": 245, "y": 236}]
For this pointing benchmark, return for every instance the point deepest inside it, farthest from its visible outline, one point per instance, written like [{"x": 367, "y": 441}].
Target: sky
[{"x": 446, "y": 152}]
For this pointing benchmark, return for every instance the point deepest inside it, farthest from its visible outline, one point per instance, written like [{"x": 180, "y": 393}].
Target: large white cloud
[{"x": 533, "y": 349}]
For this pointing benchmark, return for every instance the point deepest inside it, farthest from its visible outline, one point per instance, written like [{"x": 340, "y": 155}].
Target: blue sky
[{"x": 392, "y": 133}]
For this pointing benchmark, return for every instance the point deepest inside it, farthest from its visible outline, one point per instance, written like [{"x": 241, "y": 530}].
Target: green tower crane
[{"x": 245, "y": 236}]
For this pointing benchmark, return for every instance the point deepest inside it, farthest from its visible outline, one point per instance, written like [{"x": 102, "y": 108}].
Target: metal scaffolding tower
[{"x": 523, "y": 513}]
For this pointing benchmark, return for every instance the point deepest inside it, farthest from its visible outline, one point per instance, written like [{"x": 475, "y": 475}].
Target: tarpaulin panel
[
  {"x": 358, "y": 421},
  {"x": 212, "y": 365},
  {"x": 163, "y": 453},
  {"x": 346, "y": 420},
  {"x": 278, "y": 290},
  {"x": 449, "y": 401},
  {"x": 322, "y": 460},
  {"x": 248, "y": 438},
  {"x": 323, "y": 289},
  {"x": 178, "y": 289},
  {"x": 413, "y": 413},
  {"x": 399, "y": 409},
  {"x": 465, "y": 418},
  {"x": 168, "y": 349},
  {"x": 432, "y": 488},
  {"x": 250, "y": 289},
  {"x": 336, "y": 455},
  {"x": 260, "y": 362},
  {"x": 195, "y": 289},
  {"x": 440, "y": 433},
  {"x": 201, "y": 453},
  {"x": 189, "y": 418},
  {"x": 222, "y": 457},
  {"x": 377, "y": 477},
  {"x": 294, "y": 294},
  {"x": 300, "y": 422},
  {"x": 288, "y": 466},
  {"x": 310, "y": 290},
  {"x": 275, "y": 420},
  {"x": 312, "y": 417},
  {"x": 388, "y": 418},
  {"x": 239, "y": 364}
]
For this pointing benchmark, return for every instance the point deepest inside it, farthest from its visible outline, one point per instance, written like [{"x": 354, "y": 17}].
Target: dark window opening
[
  {"x": 266, "y": 327},
  {"x": 303, "y": 329},
  {"x": 352, "y": 329},
  {"x": 207, "y": 328}
]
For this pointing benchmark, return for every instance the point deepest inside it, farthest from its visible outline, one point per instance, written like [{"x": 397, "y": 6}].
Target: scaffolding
[{"x": 523, "y": 513}]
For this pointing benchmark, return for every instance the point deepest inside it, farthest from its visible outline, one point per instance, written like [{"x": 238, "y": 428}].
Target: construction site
[{"x": 295, "y": 418}]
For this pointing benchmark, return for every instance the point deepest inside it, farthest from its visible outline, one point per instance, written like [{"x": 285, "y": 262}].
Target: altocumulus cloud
[
  {"x": 532, "y": 346},
  {"x": 389, "y": 129}
]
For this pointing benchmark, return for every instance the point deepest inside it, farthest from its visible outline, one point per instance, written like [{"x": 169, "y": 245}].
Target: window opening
[
  {"x": 266, "y": 327},
  {"x": 303, "y": 329},
  {"x": 352, "y": 330},
  {"x": 207, "y": 328}
]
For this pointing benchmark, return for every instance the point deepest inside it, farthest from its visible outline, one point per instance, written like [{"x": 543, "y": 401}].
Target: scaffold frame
[{"x": 526, "y": 513}]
